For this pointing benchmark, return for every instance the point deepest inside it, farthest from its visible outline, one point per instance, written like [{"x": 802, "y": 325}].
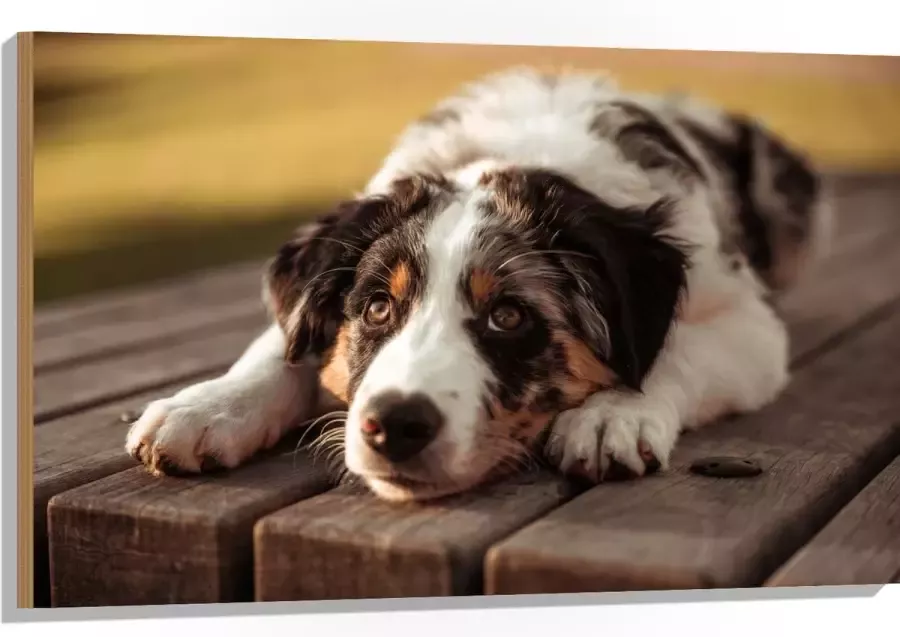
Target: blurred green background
[{"x": 159, "y": 155}]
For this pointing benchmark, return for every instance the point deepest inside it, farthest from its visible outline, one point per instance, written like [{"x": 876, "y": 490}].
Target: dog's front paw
[
  {"x": 613, "y": 436},
  {"x": 194, "y": 431}
]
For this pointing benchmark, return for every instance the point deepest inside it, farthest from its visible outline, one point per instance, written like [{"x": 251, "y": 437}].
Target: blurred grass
[{"x": 155, "y": 155}]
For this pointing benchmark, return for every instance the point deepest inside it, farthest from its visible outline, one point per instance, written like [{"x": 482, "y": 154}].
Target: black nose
[{"x": 398, "y": 427}]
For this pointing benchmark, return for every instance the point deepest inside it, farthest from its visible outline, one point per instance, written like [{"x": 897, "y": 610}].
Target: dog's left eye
[
  {"x": 378, "y": 310},
  {"x": 506, "y": 316}
]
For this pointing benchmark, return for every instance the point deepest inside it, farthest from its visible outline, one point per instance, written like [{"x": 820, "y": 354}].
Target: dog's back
[{"x": 767, "y": 201}]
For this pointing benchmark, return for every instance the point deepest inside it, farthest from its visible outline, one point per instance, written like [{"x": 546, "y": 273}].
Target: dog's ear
[
  {"x": 645, "y": 138},
  {"x": 644, "y": 273},
  {"x": 305, "y": 281},
  {"x": 308, "y": 279},
  {"x": 627, "y": 274},
  {"x": 782, "y": 205},
  {"x": 781, "y": 210}
]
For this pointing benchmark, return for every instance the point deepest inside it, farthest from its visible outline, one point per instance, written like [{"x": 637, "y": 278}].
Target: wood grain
[
  {"x": 73, "y": 451},
  {"x": 866, "y": 207},
  {"x": 203, "y": 288},
  {"x": 164, "y": 325},
  {"x": 65, "y": 391},
  {"x": 861, "y": 545},
  {"x": 132, "y": 539},
  {"x": 832, "y": 430},
  {"x": 346, "y": 544},
  {"x": 831, "y": 305}
]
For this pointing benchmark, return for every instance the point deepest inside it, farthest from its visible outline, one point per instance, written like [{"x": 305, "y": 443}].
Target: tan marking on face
[
  {"x": 481, "y": 284},
  {"x": 400, "y": 279},
  {"x": 335, "y": 375},
  {"x": 586, "y": 373}
]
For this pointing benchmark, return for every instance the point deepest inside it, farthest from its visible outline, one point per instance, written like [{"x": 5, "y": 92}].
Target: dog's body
[{"x": 541, "y": 253}]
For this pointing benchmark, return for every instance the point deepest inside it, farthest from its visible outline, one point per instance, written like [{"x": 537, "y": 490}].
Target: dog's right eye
[
  {"x": 378, "y": 310},
  {"x": 506, "y": 316}
]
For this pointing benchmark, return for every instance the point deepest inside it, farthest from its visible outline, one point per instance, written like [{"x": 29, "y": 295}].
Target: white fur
[
  {"x": 231, "y": 417},
  {"x": 727, "y": 351},
  {"x": 432, "y": 354}
]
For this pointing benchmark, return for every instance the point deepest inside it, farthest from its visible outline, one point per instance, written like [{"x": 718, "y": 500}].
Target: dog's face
[{"x": 456, "y": 323}]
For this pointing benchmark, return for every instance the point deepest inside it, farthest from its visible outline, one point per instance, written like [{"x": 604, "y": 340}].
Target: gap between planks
[
  {"x": 147, "y": 318},
  {"x": 65, "y": 391},
  {"x": 860, "y": 545}
]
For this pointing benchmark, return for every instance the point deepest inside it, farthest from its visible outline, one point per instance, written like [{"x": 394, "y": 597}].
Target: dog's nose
[{"x": 398, "y": 427}]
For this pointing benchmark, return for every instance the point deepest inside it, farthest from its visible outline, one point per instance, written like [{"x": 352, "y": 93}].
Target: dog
[{"x": 544, "y": 266}]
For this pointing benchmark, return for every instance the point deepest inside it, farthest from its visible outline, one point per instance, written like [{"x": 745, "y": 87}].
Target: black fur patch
[
  {"x": 774, "y": 190},
  {"x": 615, "y": 267},
  {"x": 644, "y": 138}
]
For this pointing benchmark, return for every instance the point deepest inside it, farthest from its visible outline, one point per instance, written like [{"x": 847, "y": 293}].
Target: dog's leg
[
  {"x": 226, "y": 420},
  {"x": 733, "y": 361}
]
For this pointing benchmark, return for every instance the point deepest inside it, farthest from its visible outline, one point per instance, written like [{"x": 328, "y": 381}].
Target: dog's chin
[
  {"x": 399, "y": 489},
  {"x": 396, "y": 488}
]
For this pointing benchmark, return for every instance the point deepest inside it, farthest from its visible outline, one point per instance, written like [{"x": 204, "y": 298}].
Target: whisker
[
  {"x": 545, "y": 273},
  {"x": 542, "y": 252},
  {"x": 343, "y": 269},
  {"x": 352, "y": 247},
  {"x": 325, "y": 435},
  {"x": 349, "y": 246},
  {"x": 312, "y": 446},
  {"x": 335, "y": 463},
  {"x": 325, "y": 441},
  {"x": 336, "y": 451},
  {"x": 312, "y": 422}
]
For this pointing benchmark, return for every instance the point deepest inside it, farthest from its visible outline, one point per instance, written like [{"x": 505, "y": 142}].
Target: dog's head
[{"x": 456, "y": 323}]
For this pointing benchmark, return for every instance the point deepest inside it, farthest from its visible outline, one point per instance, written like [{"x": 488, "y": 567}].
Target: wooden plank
[
  {"x": 861, "y": 545},
  {"x": 205, "y": 288},
  {"x": 832, "y": 430},
  {"x": 132, "y": 539},
  {"x": 864, "y": 214},
  {"x": 73, "y": 451},
  {"x": 824, "y": 308},
  {"x": 166, "y": 325},
  {"x": 346, "y": 544},
  {"x": 65, "y": 391}
]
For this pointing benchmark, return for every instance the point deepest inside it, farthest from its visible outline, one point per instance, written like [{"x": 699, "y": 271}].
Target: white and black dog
[{"x": 545, "y": 265}]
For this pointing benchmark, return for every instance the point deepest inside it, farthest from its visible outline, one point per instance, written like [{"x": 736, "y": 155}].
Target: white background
[{"x": 810, "y": 26}]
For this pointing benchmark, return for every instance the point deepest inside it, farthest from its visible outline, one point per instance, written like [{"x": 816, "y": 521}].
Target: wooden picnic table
[{"x": 825, "y": 510}]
